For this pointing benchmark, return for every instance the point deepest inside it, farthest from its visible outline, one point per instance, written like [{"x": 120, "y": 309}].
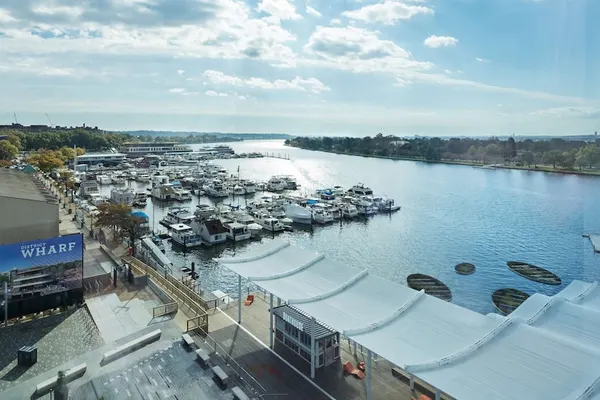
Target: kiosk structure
[{"x": 301, "y": 334}]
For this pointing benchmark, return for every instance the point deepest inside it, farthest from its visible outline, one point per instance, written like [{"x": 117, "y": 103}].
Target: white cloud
[
  {"x": 460, "y": 71},
  {"x": 282, "y": 9},
  {"x": 301, "y": 84},
  {"x": 48, "y": 8},
  {"x": 482, "y": 60},
  {"x": 177, "y": 90},
  {"x": 212, "y": 93},
  {"x": 310, "y": 10},
  {"x": 440, "y": 41},
  {"x": 180, "y": 72},
  {"x": 447, "y": 71},
  {"x": 5, "y": 16},
  {"x": 336, "y": 21},
  {"x": 569, "y": 112},
  {"x": 388, "y": 12}
]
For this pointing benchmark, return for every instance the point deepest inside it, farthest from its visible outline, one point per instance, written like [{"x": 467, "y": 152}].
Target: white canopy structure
[{"x": 549, "y": 348}]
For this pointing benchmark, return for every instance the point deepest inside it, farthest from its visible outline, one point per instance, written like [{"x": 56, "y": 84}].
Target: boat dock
[{"x": 595, "y": 239}]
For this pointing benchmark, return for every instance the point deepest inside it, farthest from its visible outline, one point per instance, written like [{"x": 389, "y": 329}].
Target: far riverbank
[{"x": 538, "y": 168}]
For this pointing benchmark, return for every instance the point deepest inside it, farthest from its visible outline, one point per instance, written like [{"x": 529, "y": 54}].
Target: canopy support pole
[
  {"x": 438, "y": 395},
  {"x": 354, "y": 347},
  {"x": 412, "y": 382},
  {"x": 239, "y": 299},
  {"x": 369, "y": 375},
  {"x": 312, "y": 348},
  {"x": 271, "y": 319}
]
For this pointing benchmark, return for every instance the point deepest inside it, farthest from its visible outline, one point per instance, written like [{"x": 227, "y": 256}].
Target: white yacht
[
  {"x": 321, "y": 216},
  {"x": 364, "y": 206},
  {"x": 183, "y": 235},
  {"x": 237, "y": 231},
  {"x": 269, "y": 223},
  {"x": 338, "y": 190},
  {"x": 118, "y": 180},
  {"x": 204, "y": 211},
  {"x": 290, "y": 182},
  {"x": 360, "y": 190},
  {"x": 243, "y": 218},
  {"x": 277, "y": 212},
  {"x": 238, "y": 190},
  {"x": 181, "y": 194},
  {"x": 177, "y": 215},
  {"x": 103, "y": 179},
  {"x": 276, "y": 185},
  {"x": 216, "y": 189},
  {"x": 349, "y": 211},
  {"x": 142, "y": 178},
  {"x": 255, "y": 229},
  {"x": 249, "y": 187},
  {"x": 140, "y": 199},
  {"x": 298, "y": 214}
]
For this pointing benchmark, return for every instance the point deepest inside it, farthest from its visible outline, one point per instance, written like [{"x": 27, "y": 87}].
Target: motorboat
[
  {"x": 277, "y": 212},
  {"x": 338, "y": 190},
  {"x": 270, "y": 223},
  {"x": 387, "y": 205},
  {"x": 290, "y": 182},
  {"x": 118, "y": 180},
  {"x": 103, "y": 179},
  {"x": 204, "y": 211},
  {"x": 215, "y": 189},
  {"x": 364, "y": 206},
  {"x": 243, "y": 218},
  {"x": 321, "y": 216},
  {"x": 185, "y": 236},
  {"x": 298, "y": 214},
  {"x": 276, "y": 185},
  {"x": 177, "y": 215},
  {"x": 360, "y": 190},
  {"x": 142, "y": 178},
  {"x": 181, "y": 194},
  {"x": 140, "y": 199},
  {"x": 239, "y": 190},
  {"x": 237, "y": 231},
  {"x": 255, "y": 229},
  {"x": 349, "y": 210},
  {"x": 249, "y": 187}
]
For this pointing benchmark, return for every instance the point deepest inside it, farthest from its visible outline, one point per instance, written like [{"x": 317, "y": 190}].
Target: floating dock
[{"x": 595, "y": 239}]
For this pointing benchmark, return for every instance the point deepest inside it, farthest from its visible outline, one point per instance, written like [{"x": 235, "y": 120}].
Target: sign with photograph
[{"x": 42, "y": 267}]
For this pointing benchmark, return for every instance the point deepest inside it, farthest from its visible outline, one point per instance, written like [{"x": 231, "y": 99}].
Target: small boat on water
[
  {"x": 184, "y": 236},
  {"x": 298, "y": 214},
  {"x": 431, "y": 285},
  {"x": 534, "y": 273},
  {"x": 507, "y": 300}
]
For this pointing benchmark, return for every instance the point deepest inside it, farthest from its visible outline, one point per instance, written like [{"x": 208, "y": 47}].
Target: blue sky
[{"x": 357, "y": 67}]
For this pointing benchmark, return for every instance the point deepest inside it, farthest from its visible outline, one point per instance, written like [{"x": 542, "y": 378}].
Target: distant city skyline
[{"x": 406, "y": 67}]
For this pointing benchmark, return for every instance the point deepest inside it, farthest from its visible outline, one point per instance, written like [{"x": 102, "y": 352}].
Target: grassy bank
[{"x": 539, "y": 168}]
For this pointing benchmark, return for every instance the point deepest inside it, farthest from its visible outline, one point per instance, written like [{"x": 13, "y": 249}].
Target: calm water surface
[{"x": 450, "y": 214}]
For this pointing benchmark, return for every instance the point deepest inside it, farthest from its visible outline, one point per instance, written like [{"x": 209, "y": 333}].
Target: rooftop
[
  {"x": 19, "y": 185},
  {"x": 100, "y": 155}
]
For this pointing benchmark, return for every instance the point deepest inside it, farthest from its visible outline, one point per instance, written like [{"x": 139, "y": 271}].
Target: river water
[{"x": 449, "y": 214}]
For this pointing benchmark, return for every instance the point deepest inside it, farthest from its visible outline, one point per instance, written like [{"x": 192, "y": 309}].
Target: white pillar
[
  {"x": 369, "y": 375},
  {"x": 239, "y": 299},
  {"x": 271, "y": 319},
  {"x": 312, "y": 348}
]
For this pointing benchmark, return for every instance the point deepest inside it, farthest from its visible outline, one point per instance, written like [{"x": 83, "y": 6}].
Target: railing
[
  {"x": 164, "y": 309},
  {"x": 198, "y": 324},
  {"x": 184, "y": 296},
  {"x": 244, "y": 378}
]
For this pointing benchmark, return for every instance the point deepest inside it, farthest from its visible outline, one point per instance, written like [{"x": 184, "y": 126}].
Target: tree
[
  {"x": 553, "y": 157},
  {"x": 67, "y": 153},
  {"x": 46, "y": 160},
  {"x": 8, "y": 151},
  {"x": 15, "y": 140},
  {"x": 510, "y": 148},
  {"x": 528, "y": 158},
  {"x": 588, "y": 155},
  {"x": 118, "y": 217}
]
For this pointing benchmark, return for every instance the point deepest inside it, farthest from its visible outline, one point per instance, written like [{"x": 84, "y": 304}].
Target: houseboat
[
  {"x": 177, "y": 215},
  {"x": 237, "y": 232},
  {"x": 140, "y": 199},
  {"x": 103, "y": 179},
  {"x": 180, "y": 194},
  {"x": 183, "y": 235},
  {"x": 212, "y": 231},
  {"x": 122, "y": 196}
]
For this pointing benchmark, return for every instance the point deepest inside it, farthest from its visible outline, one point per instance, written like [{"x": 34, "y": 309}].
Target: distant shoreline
[{"x": 539, "y": 168}]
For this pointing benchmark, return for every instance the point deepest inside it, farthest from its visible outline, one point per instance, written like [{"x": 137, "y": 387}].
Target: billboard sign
[{"x": 41, "y": 267}]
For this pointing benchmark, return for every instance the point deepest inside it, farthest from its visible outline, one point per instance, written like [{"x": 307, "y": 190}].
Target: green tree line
[
  {"x": 556, "y": 152},
  {"x": 54, "y": 139}
]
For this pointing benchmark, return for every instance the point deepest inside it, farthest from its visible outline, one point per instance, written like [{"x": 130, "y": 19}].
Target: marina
[{"x": 393, "y": 246}]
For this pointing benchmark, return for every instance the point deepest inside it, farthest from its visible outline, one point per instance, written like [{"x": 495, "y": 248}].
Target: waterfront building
[
  {"x": 88, "y": 188},
  {"x": 122, "y": 196},
  {"x": 100, "y": 158},
  {"x": 139, "y": 149},
  {"x": 28, "y": 210}
]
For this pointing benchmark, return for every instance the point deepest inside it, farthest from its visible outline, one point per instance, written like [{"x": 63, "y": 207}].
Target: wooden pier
[
  {"x": 277, "y": 377},
  {"x": 276, "y": 155}
]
